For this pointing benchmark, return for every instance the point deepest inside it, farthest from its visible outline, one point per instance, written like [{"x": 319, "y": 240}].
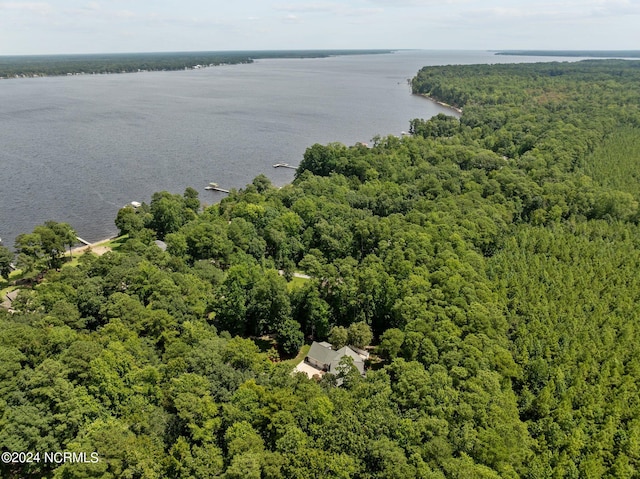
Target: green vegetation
[
  {"x": 6, "y": 258},
  {"x": 616, "y": 162},
  {"x": 296, "y": 283},
  {"x": 44, "y": 248},
  {"x": 115, "y": 243},
  {"x": 574, "y": 53},
  {"x": 496, "y": 277},
  {"x": 49, "y": 65}
]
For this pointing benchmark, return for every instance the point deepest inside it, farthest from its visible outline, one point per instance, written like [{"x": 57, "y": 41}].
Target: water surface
[{"x": 76, "y": 149}]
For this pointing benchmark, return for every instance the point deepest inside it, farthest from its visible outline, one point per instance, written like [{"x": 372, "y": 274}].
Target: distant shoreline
[
  {"x": 572, "y": 53},
  {"x": 36, "y": 66}
]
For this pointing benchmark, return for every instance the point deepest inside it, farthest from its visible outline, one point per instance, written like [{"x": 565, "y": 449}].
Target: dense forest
[
  {"x": 51, "y": 65},
  {"x": 490, "y": 261}
]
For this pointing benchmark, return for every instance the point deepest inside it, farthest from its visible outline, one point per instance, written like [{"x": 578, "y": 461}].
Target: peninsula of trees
[
  {"x": 50, "y": 65},
  {"x": 492, "y": 262}
]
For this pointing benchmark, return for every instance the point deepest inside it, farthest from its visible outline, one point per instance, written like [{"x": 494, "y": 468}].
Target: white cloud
[
  {"x": 331, "y": 8},
  {"x": 291, "y": 18},
  {"x": 544, "y": 13},
  {"x": 616, "y": 7},
  {"x": 66, "y": 25},
  {"x": 308, "y": 7},
  {"x": 41, "y": 8},
  {"x": 416, "y": 3}
]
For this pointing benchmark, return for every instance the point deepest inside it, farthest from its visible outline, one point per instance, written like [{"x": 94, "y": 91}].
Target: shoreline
[
  {"x": 124, "y": 72},
  {"x": 44, "y": 66},
  {"x": 96, "y": 247},
  {"x": 441, "y": 103}
]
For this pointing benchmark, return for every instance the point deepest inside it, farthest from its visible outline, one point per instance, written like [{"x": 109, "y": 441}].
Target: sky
[{"x": 78, "y": 26}]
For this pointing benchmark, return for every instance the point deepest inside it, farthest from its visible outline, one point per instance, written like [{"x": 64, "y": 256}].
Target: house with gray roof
[
  {"x": 322, "y": 358},
  {"x": 10, "y": 297}
]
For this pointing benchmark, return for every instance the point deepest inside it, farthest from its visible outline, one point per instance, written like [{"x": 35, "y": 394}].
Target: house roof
[
  {"x": 321, "y": 353},
  {"x": 347, "y": 351},
  {"x": 324, "y": 355}
]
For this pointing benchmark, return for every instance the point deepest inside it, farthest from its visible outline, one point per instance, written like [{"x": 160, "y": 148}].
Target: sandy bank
[
  {"x": 441, "y": 103},
  {"x": 99, "y": 247}
]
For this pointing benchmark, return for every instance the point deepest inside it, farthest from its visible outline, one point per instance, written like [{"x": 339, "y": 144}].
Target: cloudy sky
[{"x": 78, "y": 26}]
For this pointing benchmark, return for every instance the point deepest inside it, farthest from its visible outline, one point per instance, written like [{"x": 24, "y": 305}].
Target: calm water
[{"x": 76, "y": 149}]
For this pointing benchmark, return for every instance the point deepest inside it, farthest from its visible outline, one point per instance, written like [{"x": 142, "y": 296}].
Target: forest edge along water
[
  {"x": 486, "y": 268},
  {"x": 101, "y": 141}
]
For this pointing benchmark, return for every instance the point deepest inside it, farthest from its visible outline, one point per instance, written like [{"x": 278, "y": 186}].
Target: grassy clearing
[
  {"x": 116, "y": 243},
  {"x": 299, "y": 357},
  {"x": 265, "y": 343},
  {"x": 296, "y": 283},
  {"x": 111, "y": 244},
  {"x": 70, "y": 263},
  {"x": 6, "y": 286},
  {"x": 4, "y": 289}
]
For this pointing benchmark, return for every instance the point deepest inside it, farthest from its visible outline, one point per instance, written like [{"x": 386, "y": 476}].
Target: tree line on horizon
[
  {"x": 492, "y": 259},
  {"x": 54, "y": 65}
]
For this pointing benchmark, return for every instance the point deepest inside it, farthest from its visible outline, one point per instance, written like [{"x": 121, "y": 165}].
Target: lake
[{"x": 76, "y": 149}]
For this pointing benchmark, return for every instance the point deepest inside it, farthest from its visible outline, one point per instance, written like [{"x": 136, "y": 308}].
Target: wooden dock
[
  {"x": 285, "y": 165},
  {"x": 216, "y": 188},
  {"x": 83, "y": 241}
]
